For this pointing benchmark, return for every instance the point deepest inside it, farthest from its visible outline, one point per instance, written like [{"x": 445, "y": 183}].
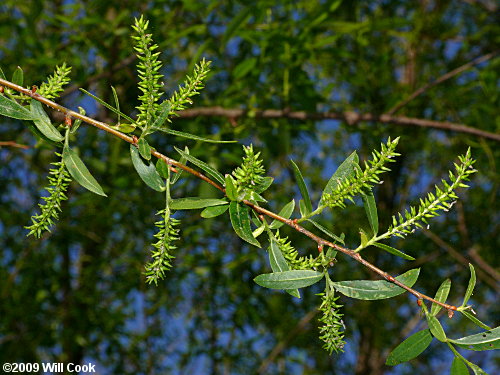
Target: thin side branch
[
  {"x": 441, "y": 79},
  {"x": 292, "y": 223},
  {"x": 351, "y": 118},
  {"x": 13, "y": 144}
]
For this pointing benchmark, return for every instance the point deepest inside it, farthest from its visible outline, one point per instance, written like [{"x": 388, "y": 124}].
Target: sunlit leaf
[
  {"x": 42, "y": 122},
  {"x": 371, "y": 211},
  {"x": 327, "y": 232},
  {"x": 289, "y": 279},
  {"x": 193, "y": 203},
  {"x": 345, "y": 170},
  {"x": 379, "y": 289},
  {"x": 231, "y": 191},
  {"x": 240, "y": 220},
  {"x": 191, "y": 136},
  {"x": 211, "y": 171},
  {"x": 79, "y": 171},
  {"x": 279, "y": 263},
  {"x": 393, "y": 251},
  {"x": 410, "y": 348},
  {"x": 436, "y": 327},
  {"x": 470, "y": 287},
  {"x": 108, "y": 106},
  {"x": 214, "y": 211},
  {"x": 441, "y": 296},
  {"x": 475, "y": 320},
  {"x": 487, "y": 340},
  {"x": 147, "y": 172},
  {"x": 18, "y": 76},
  {"x": 302, "y": 187},
  {"x": 458, "y": 367},
  {"x": 13, "y": 109},
  {"x": 285, "y": 212},
  {"x": 144, "y": 148}
]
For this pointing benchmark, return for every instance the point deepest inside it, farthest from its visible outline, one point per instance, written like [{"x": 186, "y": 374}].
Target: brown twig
[
  {"x": 441, "y": 79},
  {"x": 351, "y": 118},
  {"x": 13, "y": 144},
  {"x": 292, "y": 223}
]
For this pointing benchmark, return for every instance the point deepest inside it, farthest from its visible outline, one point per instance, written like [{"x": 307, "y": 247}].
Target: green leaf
[
  {"x": 144, "y": 148},
  {"x": 363, "y": 237},
  {"x": 110, "y": 107},
  {"x": 79, "y": 171},
  {"x": 393, "y": 251},
  {"x": 379, "y": 289},
  {"x": 42, "y": 122},
  {"x": 345, "y": 170},
  {"x": 303, "y": 208},
  {"x": 264, "y": 185},
  {"x": 183, "y": 161},
  {"x": 18, "y": 76},
  {"x": 214, "y": 211},
  {"x": 193, "y": 203},
  {"x": 436, "y": 327},
  {"x": 240, "y": 220},
  {"x": 2, "y": 75},
  {"x": 288, "y": 279},
  {"x": 302, "y": 187},
  {"x": 475, "y": 320},
  {"x": 117, "y": 102},
  {"x": 162, "y": 168},
  {"x": 371, "y": 211},
  {"x": 13, "y": 109},
  {"x": 192, "y": 136},
  {"x": 211, "y": 171},
  {"x": 244, "y": 67},
  {"x": 410, "y": 348},
  {"x": 285, "y": 212},
  {"x": 476, "y": 369},
  {"x": 458, "y": 367},
  {"x": 339, "y": 239},
  {"x": 164, "y": 109},
  {"x": 147, "y": 172},
  {"x": 441, "y": 295},
  {"x": 470, "y": 287},
  {"x": 235, "y": 22},
  {"x": 231, "y": 191},
  {"x": 487, "y": 340},
  {"x": 279, "y": 263}
]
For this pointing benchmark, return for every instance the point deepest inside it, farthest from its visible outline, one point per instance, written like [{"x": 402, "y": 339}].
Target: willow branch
[
  {"x": 350, "y": 117},
  {"x": 13, "y": 144},
  {"x": 292, "y": 223},
  {"x": 441, "y": 79}
]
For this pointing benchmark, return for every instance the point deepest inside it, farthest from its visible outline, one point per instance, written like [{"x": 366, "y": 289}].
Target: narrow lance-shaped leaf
[
  {"x": 371, "y": 211},
  {"x": 410, "y": 348},
  {"x": 79, "y": 171},
  {"x": 147, "y": 172},
  {"x": 213, "y": 211},
  {"x": 191, "y": 136},
  {"x": 488, "y": 340},
  {"x": 18, "y": 76},
  {"x": 441, "y": 296},
  {"x": 302, "y": 187},
  {"x": 211, "y": 171},
  {"x": 183, "y": 161},
  {"x": 193, "y": 203},
  {"x": 42, "y": 122},
  {"x": 436, "y": 327},
  {"x": 379, "y": 289},
  {"x": 231, "y": 191},
  {"x": 475, "y": 320},
  {"x": 472, "y": 284},
  {"x": 289, "y": 279},
  {"x": 339, "y": 239},
  {"x": 285, "y": 212},
  {"x": 240, "y": 220},
  {"x": 393, "y": 251},
  {"x": 13, "y": 109},
  {"x": 108, "y": 106},
  {"x": 144, "y": 148},
  {"x": 458, "y": 367},
  {"x": 346, "y": 169},
  {"x": 279, "y": 263}
]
